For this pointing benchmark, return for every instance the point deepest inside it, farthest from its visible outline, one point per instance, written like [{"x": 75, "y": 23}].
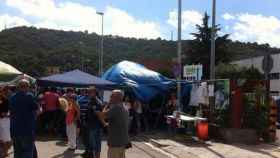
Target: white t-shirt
[
  {"x": 139, "y": 109},
  {"x": 194, "y": 96},
  {"x": 203, "y": 97}
]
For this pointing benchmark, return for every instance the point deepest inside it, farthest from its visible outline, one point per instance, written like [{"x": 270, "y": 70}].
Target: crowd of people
[{"x": 25, "y": 114}]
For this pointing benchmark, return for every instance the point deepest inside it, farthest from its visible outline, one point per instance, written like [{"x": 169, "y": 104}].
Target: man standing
[
  {"x": 50, "y": 108},
  {"x": 23, "y": 110},
  {"x": 83, "y": 100},
  {"x": 95, "y": 123},
  {"x": 117, "y": 117}
]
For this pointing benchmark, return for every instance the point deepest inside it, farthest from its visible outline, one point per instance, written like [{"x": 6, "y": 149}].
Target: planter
[{"x": 243, "y": 136}]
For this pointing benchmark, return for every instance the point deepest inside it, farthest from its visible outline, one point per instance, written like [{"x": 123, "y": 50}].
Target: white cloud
[
  {"x": 190, "y": 18},
  {"x": 257, "y": 28},
  {"x": 11, "y": 21},
  {"x": 121, "y": 23},
  {"x": 77, "y": 17},
  {"x": 228, "y": 16}
]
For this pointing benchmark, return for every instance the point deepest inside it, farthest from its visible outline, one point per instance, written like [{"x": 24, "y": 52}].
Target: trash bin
[{"x": 202, "y": 130}]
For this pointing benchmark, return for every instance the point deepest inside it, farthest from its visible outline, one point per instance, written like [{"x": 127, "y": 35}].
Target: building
[
  {"x": 51, "y": 70},
  {"x": 274, "y": 75}
]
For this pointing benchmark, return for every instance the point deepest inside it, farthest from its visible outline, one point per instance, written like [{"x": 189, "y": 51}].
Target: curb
[{"x": 157, "y": 143}]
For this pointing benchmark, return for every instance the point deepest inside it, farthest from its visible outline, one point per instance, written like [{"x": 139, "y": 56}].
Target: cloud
[
  {"x": 228, "y": 16},
  {"x": 190, "y": 18},
  {"x": 257, "y": 28},
  {"x": 120, "y": 22},
  {"x": 77, "y": 17},
  {"x": 7, "y": 21}
]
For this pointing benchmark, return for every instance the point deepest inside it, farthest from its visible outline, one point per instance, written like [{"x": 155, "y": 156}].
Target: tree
[
  {"x": 231, "y": 71},
  {"x": 200, "y": 48}
]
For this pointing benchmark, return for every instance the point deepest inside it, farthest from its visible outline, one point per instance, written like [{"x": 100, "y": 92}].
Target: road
[{"x": 58, "y": 149}]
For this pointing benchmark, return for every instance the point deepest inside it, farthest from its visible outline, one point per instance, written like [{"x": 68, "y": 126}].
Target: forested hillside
[{"x": 31, "y": 50}]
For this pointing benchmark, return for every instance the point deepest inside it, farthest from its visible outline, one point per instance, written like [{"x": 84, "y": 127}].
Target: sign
[{"x": 193, "y": 72}]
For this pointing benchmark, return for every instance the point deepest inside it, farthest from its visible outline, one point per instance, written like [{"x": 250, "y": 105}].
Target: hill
[{"x": 32, "y": 50}]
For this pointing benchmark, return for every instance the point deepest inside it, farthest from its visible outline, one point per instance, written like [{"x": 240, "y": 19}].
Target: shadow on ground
[{"x": 66, "y": 154}]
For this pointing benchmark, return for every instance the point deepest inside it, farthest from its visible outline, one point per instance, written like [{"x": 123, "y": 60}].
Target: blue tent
[
  {"x": 75, "y": 78},
  {"x": 145, "y": 84}
]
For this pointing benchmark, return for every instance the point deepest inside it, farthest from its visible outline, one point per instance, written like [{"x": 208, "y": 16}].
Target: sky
[{"x": 245, "y": 20}]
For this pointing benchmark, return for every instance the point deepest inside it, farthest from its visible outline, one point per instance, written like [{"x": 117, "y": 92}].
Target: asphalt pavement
[{"x": 58, "y": 149}]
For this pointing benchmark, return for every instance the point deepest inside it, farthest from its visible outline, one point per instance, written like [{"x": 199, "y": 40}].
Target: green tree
[
  {"x": 232, "y": 71},
  {"x": 200, "y": 48}
]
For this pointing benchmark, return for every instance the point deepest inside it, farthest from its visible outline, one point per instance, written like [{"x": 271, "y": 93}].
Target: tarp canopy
[
  {"x": 145, "y": 83},
  {"x": 75, "y": 78},
  {"x": 18, "y": 78},
  {"x": 8, "y": 72}
]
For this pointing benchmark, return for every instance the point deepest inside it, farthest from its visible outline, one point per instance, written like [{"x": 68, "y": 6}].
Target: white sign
[
  {"x": 193, "y": 72},
  {"x": 107, "y": 96}
]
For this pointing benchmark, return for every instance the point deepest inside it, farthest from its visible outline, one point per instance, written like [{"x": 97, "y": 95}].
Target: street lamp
[
  {"x": 101, "y": 46},
  {"x": 179, "y": 55},
  {"x": 81, "y": 44},
  {"x": 213, "y": 36}
]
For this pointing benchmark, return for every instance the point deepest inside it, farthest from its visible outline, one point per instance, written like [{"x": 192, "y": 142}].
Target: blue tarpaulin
[
  {"x": 75, "y": 78},
  {"x": 145, "y": 84}
]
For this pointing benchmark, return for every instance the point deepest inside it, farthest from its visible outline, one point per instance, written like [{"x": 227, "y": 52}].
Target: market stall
[
  {"x": 145, "y": 84},
  {"x": 75, "y": 78}
]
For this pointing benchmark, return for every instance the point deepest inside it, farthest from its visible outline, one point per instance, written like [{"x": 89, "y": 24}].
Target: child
[{"x": 72, "y": 116}]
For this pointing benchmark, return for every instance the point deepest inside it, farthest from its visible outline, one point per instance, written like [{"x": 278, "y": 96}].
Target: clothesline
[{"x": 192, "y": 82}]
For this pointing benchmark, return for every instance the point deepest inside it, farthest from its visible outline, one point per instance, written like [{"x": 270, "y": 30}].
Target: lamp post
[
  {"x": 212, "y": 59},
  {"x": 101, "y": 45},
  {"x": 81, "y": 44},
  {"x": 213, "y": 36},
  {"x": 179, "y": 55}
]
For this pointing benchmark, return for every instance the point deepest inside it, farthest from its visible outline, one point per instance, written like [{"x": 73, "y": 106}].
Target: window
[{"x": 274, "y": 76}]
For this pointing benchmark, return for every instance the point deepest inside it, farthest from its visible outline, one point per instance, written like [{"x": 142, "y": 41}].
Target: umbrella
[{"x": 8, "y": 72}]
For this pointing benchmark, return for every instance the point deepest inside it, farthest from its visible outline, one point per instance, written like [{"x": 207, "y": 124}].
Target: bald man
[{"x": 117, "y": 117}]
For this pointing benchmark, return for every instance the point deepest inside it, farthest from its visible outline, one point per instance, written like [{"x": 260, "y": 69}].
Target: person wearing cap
[{"x": 23, "y": 111}]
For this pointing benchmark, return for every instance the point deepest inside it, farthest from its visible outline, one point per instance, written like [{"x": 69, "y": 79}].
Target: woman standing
[
  {"x": 72, "y": 117},
  {"x": 5, "y": 137}
]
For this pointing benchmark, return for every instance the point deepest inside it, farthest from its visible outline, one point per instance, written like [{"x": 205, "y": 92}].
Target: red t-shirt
[
  {"x": 70, "y": 116},
  {"x": 51, "y": 101}
]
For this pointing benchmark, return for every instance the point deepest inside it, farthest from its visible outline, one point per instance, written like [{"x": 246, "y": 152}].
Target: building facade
[{"x": 274, "y": 75}]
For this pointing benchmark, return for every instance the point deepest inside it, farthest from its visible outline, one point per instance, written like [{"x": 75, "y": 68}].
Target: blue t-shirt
[
  {"x": 83, "y": 102},
  {"x": 23, "y": 114},
  {"x": 92, "y": 119}
]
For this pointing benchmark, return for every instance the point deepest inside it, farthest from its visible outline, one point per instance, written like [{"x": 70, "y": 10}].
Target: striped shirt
[{"x": 83, "y": 102}]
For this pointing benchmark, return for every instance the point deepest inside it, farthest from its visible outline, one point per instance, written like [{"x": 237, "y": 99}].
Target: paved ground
[
  {"x": 167, "y": 147},
  {"x": 58, "y": 149},
  {"x": 184, "y": 148}
]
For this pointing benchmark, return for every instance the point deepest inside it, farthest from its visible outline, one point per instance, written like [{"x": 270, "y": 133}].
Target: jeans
[
  {"x": 24, "y": 147},
  {"x": 95, "y": 140},
  {"x": 85, "y": 136}
]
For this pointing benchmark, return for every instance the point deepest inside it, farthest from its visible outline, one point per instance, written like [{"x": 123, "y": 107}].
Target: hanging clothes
[
  {"x": 194, "y": 95},
  {"x": 203, "y": 97}
]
